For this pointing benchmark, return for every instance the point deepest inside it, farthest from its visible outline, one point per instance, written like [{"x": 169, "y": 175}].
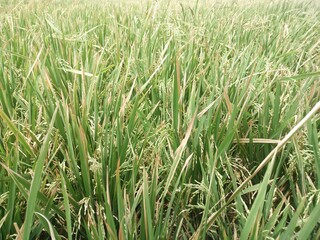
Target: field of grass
[{"x": 158, "y": 120}]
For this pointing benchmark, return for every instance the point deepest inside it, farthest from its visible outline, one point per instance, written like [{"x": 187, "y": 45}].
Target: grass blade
[{"x": 35, "y": 184}]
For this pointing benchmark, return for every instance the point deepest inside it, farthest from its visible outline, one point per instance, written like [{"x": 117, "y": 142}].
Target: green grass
[{"x": 159, "y": 121}]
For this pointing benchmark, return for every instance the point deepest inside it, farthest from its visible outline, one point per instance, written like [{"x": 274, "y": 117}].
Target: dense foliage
[{"x": 141, "y": 120}]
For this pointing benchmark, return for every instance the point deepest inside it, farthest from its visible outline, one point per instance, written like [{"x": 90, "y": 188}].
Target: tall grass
[{"x": 159, "y": 121}]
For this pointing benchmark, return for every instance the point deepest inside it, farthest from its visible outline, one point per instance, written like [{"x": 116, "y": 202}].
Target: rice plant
[{"x": 159, "y": 120}]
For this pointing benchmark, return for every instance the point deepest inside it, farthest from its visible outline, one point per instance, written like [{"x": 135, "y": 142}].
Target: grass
[{"x": 159, "y": 121}]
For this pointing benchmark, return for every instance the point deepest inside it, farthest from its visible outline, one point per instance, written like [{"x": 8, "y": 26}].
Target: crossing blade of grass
[
  {"x": 173, "y": 170},
  {"x": 256, "y": 209},
  {"x": 53, "y": 233},
  {"x": 23, "y": 184},
  {"x": 178, "y": 155},
  {"x": 2, "y": 220},
  {"x": 310, "y": 224},
  {"x": 175, "y": 191},
  {"x": 289, "y": 232},
  {"x": 274, "y": 218},
  {"x": 35, "y": 184},
  {"x": 23, "y": 190}
]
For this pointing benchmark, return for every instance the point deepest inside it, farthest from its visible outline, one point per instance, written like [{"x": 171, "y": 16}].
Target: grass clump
[{"x": 158, "y": 122}]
